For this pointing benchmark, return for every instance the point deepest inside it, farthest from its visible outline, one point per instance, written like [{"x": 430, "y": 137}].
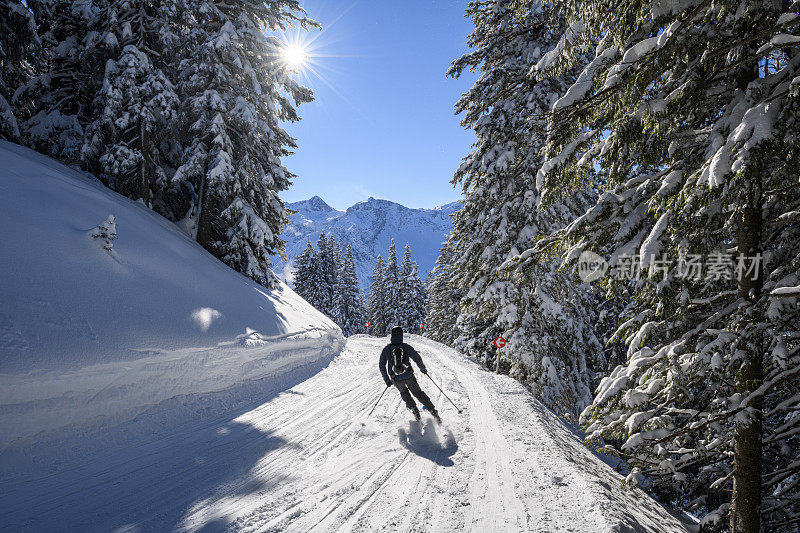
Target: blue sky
[{"x": 382, "y": 124}]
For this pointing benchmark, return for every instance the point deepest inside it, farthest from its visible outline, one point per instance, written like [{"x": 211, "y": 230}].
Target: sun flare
[
  {"x": 294, "y": 55},
  {"x": 303, "y": 58}
]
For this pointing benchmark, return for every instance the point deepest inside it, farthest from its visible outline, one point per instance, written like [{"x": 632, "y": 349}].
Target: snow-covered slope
[
  {"x": 153, "y": 389},
  {"x": 309, "y": 459},
  {"x": 85, "y": 333},
  {"x": 368, "y": 227}
]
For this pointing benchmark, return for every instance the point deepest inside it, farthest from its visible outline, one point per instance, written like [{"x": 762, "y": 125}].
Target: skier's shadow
[{"x": 429, "y": 441}]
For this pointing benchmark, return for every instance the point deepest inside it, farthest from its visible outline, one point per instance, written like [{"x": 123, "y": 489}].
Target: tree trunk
[
  {"x": 144, "y": 181},
  {"x": 203, "y": 232},
  {"x": 747, "y": 455}
]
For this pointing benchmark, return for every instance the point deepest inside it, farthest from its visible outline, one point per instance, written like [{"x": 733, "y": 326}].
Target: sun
[
  {"x": 294, "y": 55},
  {"x": 301, "y": 56}
]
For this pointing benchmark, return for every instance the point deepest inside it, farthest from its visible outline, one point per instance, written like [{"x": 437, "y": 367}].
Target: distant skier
[{"x": 395, "y": 367}]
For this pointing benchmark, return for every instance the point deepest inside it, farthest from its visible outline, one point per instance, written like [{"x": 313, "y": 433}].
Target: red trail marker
[{"x": 499, "y": 342}]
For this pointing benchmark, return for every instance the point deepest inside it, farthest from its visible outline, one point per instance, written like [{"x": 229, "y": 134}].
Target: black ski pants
[{"x": 407, "y": 387}]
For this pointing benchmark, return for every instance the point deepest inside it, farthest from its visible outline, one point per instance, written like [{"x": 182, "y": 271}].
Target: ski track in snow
[{"x": 308, "y": 459}]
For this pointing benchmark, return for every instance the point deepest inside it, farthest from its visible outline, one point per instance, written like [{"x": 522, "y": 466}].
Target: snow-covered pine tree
[
  {"x": 236, "y": 90},
  {"x": 316, "y": 293},
  {"x": 392, "y": 289},
  {"x": 358, "y": 311},
  {"x": 443, "y": 297},
  {"x": 376, "y": 301},
  {"x": 347, "y": 300},
  {"x": 412, "y": 293},
  {"x": 305, "y": 273},
  {"x": 104, "y": 100},
  {"x": 552, "y": 338},
  {"x": 57, "y": 104},
  {"x": 334, "y": 272},
  {"x": 552, "y": 347},
  {"x": 327, "y": 279},
  {"x": 326, "y": 271},
  {"x": 689, "y": 113},
  {"x": 107, "y": 233},
  {"x": 18, "y": 35},
  {"x": 130, "y": 142}
]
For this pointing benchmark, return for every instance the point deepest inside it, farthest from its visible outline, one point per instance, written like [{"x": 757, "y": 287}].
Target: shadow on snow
[
  {"x": 425, "y": 439},
  {"x": 146, "y": 474}
]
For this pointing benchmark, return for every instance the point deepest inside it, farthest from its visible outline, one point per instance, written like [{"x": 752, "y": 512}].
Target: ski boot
[
  {"x": 416, "y": 414},
  {"x": 435, "y": 414}
]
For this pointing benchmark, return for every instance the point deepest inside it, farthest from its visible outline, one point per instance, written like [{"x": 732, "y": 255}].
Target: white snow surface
[
  {"x": 303, "y": 455},
  {"x": 91, "y": 337},
  {"x": 150, "y": 388}
]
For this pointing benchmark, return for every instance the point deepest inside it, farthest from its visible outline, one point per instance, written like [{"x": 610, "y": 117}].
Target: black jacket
[{"x": 409, "y": 353}]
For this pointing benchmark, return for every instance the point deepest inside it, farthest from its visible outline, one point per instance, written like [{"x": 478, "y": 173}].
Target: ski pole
[
  {"x": 445, "y": 395},
  {"x": 379, "y": 399}
]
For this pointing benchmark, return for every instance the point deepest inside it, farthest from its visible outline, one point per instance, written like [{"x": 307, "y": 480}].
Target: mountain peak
[
  {"x": 314, "y": 209},
  {"x": 368, "y": 226},
  {"x": 374, "y": 203},
  {"x": 318, "y": 203}
]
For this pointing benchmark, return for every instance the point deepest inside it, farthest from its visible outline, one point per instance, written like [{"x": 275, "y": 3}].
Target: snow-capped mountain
[{"x": 368, "y": 227}]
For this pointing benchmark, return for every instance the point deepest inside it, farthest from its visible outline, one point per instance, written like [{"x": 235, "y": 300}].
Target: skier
[{"x": 396, "y": 368}]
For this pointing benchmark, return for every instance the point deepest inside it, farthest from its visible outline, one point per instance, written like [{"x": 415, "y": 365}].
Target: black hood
[{"x": 397, "y": 335}]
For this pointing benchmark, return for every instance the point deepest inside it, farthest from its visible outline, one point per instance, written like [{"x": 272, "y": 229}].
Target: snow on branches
[
  {"x": 690, "y": 135},
  {"x": 178, "y": 103},
  {"x": 107, "y": 233},
  {"x": 546, "y": 316},
  {"x": 327, "y": 279}
]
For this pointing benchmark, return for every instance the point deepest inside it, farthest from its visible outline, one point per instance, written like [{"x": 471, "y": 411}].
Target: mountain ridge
[{"x": 368, "y": 226}]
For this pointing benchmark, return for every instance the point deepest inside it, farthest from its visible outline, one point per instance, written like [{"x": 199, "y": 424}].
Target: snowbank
[{"x": 88, "y": 334}]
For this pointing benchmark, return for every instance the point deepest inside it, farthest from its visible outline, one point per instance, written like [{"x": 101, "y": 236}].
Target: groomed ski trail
[
  {"x": 319, "y": 464},
  {"x": 495, "y": 467}
]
